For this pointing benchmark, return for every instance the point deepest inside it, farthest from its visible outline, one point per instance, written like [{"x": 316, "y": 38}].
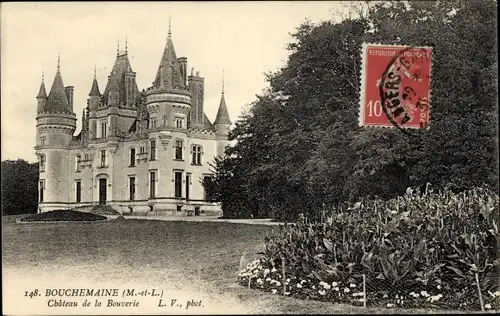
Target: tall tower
[
  {"x": 222, "y": 124},
  {"x": 56, "y": 124},
  {"x": 120, "y": 94},
  {"x": 168, "y": 100}
]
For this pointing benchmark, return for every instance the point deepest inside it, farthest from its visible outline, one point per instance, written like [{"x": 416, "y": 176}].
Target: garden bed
[
  {"x": 434, "y": 250},
  {"x": 63, "y": 216}
]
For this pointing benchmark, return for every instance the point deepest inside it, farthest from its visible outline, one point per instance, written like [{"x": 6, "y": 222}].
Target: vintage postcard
[{"x": 224, "y": 157}]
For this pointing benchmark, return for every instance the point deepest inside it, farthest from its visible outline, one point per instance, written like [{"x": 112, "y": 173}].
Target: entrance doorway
[{"x": 103, "y": 186}]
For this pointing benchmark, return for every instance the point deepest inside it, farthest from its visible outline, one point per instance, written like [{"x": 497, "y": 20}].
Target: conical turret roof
[
  {"x": 169, "y": 74},
  {"x": 222, "y": 114},
  {"x": 57, "y": 100},
  {"x": 42, "y": 94},
  {"x": 94, "y": 91}
]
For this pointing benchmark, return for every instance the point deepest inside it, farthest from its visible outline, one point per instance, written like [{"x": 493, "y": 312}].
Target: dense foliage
[
  {"x": 19, "y": 187},
  {"x": 299, "y": 147},
  {"x": 416, "y": 250}
]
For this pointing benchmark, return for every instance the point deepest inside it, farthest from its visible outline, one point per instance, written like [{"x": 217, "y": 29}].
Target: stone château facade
[{"x": 138, "y": 151}]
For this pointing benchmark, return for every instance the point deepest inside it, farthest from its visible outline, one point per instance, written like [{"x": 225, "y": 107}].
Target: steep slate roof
[
  {"x": 94, "y": 91},
  {"x": 133, "y": 127},
  {"x": 116, "y": 79},
  {"x": 42, "y": 94},
  {"x": 207, "y": 125},
  {"x": 222, "y": 114},
  {"x": 169, "y": 74},
  {"x": 57, "y": 100}
]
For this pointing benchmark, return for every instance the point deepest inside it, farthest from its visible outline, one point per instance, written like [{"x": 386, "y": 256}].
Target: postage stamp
[{"x": 395, "y": 86}]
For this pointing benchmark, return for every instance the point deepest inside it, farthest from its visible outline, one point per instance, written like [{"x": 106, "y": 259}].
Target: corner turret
[
  {"x": 55, "y": 118},
  {"x": 56, "y": 124},
  {"x": 222, "y": 124},
  {"x": 57, "y": 101},
  {"x": 171, "y": 71},
  {"x": 222, "y": 121},
  {"x": 41, "y": 97}
]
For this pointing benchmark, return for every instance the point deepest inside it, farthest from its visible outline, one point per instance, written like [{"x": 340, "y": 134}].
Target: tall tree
[
  {"x": 19, "y": 187},
  {"x": 299, "y": 148}
]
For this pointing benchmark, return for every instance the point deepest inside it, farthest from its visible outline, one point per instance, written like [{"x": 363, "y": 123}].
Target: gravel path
[{"x": 258, "y": 221}]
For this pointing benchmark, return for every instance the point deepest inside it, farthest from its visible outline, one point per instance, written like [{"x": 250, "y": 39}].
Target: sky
[{"x": 242, "y": 40}]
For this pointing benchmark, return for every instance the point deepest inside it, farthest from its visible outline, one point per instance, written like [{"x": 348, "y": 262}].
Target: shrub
[{"x": 428, "y": 246}]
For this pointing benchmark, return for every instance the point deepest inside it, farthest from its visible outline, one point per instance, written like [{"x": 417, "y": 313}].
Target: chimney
[
  {"x": 197, "y": 87},
  {"x": 183, "y": 62},
  {"x": 69, "y": 94}
]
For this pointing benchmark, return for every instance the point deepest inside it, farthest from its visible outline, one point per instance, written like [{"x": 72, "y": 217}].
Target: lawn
[{"x": 196, "y": 260}]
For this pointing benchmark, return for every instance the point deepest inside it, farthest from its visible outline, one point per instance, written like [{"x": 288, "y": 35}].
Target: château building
[{"x": 138, "y": 151}]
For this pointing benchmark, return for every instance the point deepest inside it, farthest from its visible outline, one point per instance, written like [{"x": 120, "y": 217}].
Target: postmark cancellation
[{"x": 395, "y": 86}]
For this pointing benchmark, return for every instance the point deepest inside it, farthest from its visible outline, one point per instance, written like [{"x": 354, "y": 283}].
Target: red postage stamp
[{"x": 395, "y": 86}]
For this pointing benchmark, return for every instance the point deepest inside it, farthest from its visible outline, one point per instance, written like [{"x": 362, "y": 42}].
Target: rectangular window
[
  {"x": 153, "y": 150},
  {"x": 132, "y": 157},
  {"x": 42, "y": 163},
  {"x": 42, "y": 141},
  {"x": 152, "y": 184},
  {"x": 86, "y": 157},
  {"x": 103, "y": 158},
  {"x": 131, "y": 188},
  {"x": 152, "y": 123},
  {"x": 78, "y": 159},
  {"x": 196, "y": 155},
  {"x": 188, "y": 183},
  {"x": 178, "y": 184},
  {"x": 208, "y": 198},
  {"x": 41, "y": 189},
  {"x": 179, "y": 122},
  {"x": 178, "y": 149},
  {"x": 78, "y": 189},
  {"x": 104, "y": 129},
  {"x": 141, "y": 150}
]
